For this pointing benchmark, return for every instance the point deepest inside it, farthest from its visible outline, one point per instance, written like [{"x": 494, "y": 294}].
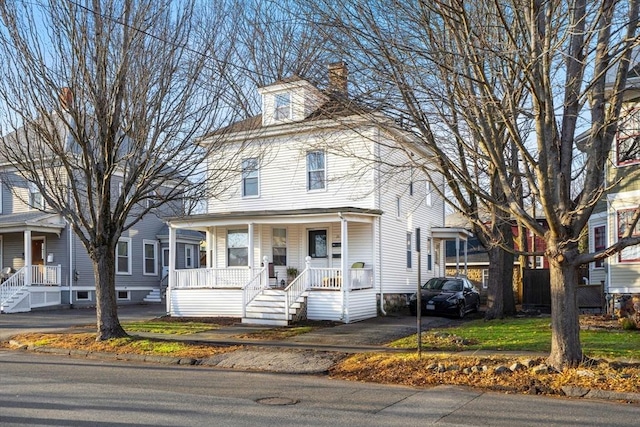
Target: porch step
[
  {"x": 17, "y": 303},
  {"x": 154, "y": 296},
  {"x": 269, "y": 308}
]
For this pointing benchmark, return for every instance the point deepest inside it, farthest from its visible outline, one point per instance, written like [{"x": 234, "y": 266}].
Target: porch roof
[
  {"x": 287, "y": 216},
  {"x": 34, "y": 221}
]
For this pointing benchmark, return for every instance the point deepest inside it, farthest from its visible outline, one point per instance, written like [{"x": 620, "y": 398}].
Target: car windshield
[{"x": 442, "y": 284}]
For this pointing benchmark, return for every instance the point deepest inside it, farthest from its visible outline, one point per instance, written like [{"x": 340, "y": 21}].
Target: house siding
[{"x": 204, "y": 302}]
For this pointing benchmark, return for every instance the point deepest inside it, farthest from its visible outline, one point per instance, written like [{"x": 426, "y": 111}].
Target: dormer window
[{"x": 282, "y": 109}]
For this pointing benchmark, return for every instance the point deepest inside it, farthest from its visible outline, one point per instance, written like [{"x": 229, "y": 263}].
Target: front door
[
  {"x": 318, "y": 248},
  {"x": 37, "y": 252},
  {"x": 165, "y": 262}
]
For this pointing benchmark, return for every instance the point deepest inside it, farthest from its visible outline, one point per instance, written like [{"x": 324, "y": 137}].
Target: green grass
[
  {"x": 174, "y": 328},
  {"x": 526, "y": 334}
]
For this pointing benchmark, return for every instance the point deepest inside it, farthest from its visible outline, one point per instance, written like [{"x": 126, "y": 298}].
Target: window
[
  {"x": 123, "y": 295},
  {"x": 429, "y": 258},
  {"x": 188, "y": 256},
  {"x": 318, "y": 243},
  {"x": 398, "y": 206},
  {"x": 237, "y": 248},
  {"x": 250, "y": 177},
  {"x": 36, "y": 201},
  {"x": 150, "y": 256},
  {"x": 628, "y": 138},
  {"x": 279, "y": 246},
  {"x": 428, "y": 197},
  {"x": 82, "y": 295},
  {"x": 1, "y": 194},
  {"x": 123, "y": 256},
  {"x": 485, "y": 278},
  {"x": 599, "y": 243},
  {"x": 408, "y": 250},
  {"x": 151, "y": 199},
  {"x": 315, "y": 170},
  {"x": 630, "y": 253},
  {"x": 411, "y": 181},
  {"x": 282, "y": 106}
]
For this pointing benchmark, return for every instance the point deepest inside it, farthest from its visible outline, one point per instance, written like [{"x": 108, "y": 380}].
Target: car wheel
[
  {"x": 461, "y": 310},
  {"x": 476, "y": 307}
]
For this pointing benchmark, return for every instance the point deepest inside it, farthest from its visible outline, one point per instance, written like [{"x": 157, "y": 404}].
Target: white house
[{"x": 323, "y": 191}]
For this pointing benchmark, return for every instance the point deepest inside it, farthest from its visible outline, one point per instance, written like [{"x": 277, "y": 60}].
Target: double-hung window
[
  {"x": 630, "y": 253},
  {"x": 282, "y": 108},
  {"x": 150, "y": 258},
  {"x": 250, "y": 177},
  {"x": 188, "y": 256},
  {"x": 409, "y": 255},
  {"x": 628, "y": 138},
  {"x": 599, "y": 243},
  {"x": 36, "y": 200},
  {"x": 237, "y": 248},
  {"x": 280, "y": 246},
  {"x": 316, "y": 170},
  {"x": 123, "y": 256}
]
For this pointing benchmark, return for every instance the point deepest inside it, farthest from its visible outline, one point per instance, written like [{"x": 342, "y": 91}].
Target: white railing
[
  {"x": 295, "y": 289},
  {"x": 11, "y": 286},
  {"x": 45, "y": 275},
  {"x": 324, "y": 278},
  {"x": 214, "y": 277},
  {"x": 256, "y": 285}
]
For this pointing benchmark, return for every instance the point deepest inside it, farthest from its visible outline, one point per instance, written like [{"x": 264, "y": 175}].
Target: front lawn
[{"x": 524, "y": 334}]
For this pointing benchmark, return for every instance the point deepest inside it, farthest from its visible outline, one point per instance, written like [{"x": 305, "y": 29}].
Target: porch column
[
  {"x": 251, "y": 251},
  {"x": 344, "y": 265},
  {"x": 27, "y": 257},
  {"x": 466, "y": 247},
  {"x": 209, "y": 246},
  {"x": 457, "y": 255},
  {"x": 172, "y": 266}
]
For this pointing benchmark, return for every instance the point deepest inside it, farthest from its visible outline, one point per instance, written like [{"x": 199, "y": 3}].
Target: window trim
[
  {"x": 188, "y": 256},
  {"x": 628, "y": 117},
  {"x": 129, "y": 244},
  {"x": 598, "y": 247},
  {"x": 128, "y": 297},
  {"x": 282, "y": 111},
  {"x": 245, "y": 177},
  {"x": 146, "y": 242},
  {"x": 635, "y": 233},
  {"x": 324, "y": 170},
  {"x": 273, "y": 246},
  {"x": 33, "y": 190},
  {"x": 237, "y": 230}
]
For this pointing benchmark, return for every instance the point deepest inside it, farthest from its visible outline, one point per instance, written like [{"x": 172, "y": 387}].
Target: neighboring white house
[
  {"x": 322, "y": 191},
  {"x": 620, "y": 273}
]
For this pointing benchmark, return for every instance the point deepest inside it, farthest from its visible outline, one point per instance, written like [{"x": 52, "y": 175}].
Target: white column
[
  {"x": 172, "y": 266},
  {"x": 27, "y": 257},
  {"x": 209, "y": 247},
  {"x": 457, "y": 255},
  {"x": 344, "y": 263},
  {"x": 251, "y": 263}
]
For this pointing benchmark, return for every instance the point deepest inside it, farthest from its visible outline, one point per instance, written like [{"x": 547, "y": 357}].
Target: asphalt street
[{"x": 47, "y": 390}]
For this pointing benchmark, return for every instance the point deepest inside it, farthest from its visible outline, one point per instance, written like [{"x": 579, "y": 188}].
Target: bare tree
[
  {"x": 527, "y": 79},
  {"x": 103, "y": 94}
]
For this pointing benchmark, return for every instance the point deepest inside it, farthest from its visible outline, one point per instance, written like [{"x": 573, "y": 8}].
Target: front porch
[
  {"x": 30, "y": 242},
  {"x": 248, "y": 259},
  {"x": 315, "y": 294}
]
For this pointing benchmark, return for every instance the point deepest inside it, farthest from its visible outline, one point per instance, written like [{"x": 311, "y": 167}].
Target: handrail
[
  {"x": 252, "y": 288},
  {"x": 12, "y": 286},
  {"x": 295, "y": 289},
  {"x": 214, "y": 277}
]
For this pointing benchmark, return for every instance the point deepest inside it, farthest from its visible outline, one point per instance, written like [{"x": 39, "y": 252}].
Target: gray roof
[{"x": 32, "y": 220}]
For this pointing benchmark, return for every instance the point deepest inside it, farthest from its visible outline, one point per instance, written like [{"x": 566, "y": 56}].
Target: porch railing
[
  {"x": 253, "y": 288},
  {"x": 295, "y": 289},
  {"x": 361, "y": 278},
  {"x": 331, "y": 278},
  {"x": 214, "y": 277},
  {"x": 11, "y": 286},
  {"x": 45, "y": 275}
]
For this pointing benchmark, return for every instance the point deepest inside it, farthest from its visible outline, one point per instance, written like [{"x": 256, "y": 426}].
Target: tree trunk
[
  {"x": 500, "y": 298},
  {"x": 104, "y": 268},
  {"x": 566, "y": 350}
]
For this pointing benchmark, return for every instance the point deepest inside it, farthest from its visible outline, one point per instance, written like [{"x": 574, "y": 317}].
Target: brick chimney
[{"x": 338, "y": 78}]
